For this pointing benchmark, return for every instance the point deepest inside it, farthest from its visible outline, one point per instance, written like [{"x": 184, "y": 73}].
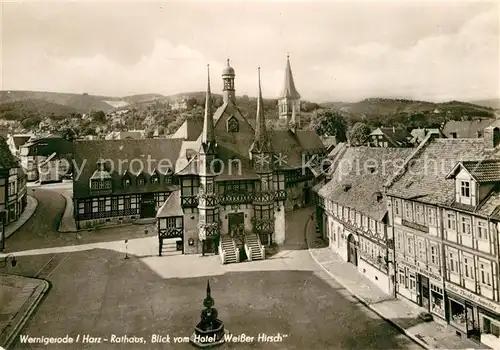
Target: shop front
[
  {"x": 422, "y": 287},
  {"x": 473, "y": 315}
]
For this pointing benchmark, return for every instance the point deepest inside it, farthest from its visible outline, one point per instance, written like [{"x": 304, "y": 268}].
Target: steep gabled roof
[
  {"x": 480, "y": 170},
  {"x": 364, "y": 170},
  {"x": 425, "y": 177},
  {"x": 289, "y": 90},
  {"x": 397, "y": 136},
  {"x": 466, "y": 128},
  {"x": 172, "y": 206},
  {"x": 124, "y": 157},
  {"x": 7, "y": 159}
]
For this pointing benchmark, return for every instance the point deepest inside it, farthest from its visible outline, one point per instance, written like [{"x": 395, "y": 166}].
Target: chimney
[{"x": 491, "y": 136}]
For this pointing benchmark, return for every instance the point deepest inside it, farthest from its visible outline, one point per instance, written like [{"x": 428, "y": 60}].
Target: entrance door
[
  {"x": 209, "y": 246},
  {"x": 148, "y": 205},
  {"x": 424, "y": 291},
  {"x": 236, "y": 223},
  {"x": 472, "y": 323},
  {"x": 352, "y": 250}
]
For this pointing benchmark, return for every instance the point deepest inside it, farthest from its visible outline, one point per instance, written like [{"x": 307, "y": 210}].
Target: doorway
[
  {"x": 424, "y": 291},
  {"x": 307, "y": 196},
  {"x": 148, "y": 206},
  {"x": 352, "y": 250},
  {"x": 236, "y": 223}
]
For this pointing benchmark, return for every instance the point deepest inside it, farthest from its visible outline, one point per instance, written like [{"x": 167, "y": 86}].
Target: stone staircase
[
  {"x": 169, "y": 247},
  {"x": 255, "y": 250},
  {"x": 227, "y": 250}
]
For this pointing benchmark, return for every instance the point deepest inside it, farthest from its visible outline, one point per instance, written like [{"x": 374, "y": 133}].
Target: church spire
[
  {"x": 260, "y": 123},
  {"x": 208, "y": 135},
  {"x": 289, "y": 90}
]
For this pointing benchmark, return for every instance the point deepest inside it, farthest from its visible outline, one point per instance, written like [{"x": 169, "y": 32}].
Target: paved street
[{"x": 96, "y": 291}]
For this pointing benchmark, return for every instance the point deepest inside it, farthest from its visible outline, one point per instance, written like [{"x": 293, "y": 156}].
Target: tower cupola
[{"x": 228, "y": 81}]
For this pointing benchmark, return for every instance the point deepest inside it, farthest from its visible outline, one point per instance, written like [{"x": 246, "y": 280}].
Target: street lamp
[
  {"x": 126, "y": 249},
  {"x": 12, "y": 259}
]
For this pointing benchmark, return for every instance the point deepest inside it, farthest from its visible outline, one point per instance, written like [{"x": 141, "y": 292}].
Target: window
[
  {"x": 485, "y": 270},
  {"x": 397, "y": 211},
  {"x": 422, "y": 251},
  {"x": 453, "y": 135},
  {"x": 114, "y": 204},
  {"x": 434, "y": 255},
  {"x": 419, "y": 214},
  {"x": 413, "y": 283},
  {"x": 126, "y": 182},
  {"x": 190, "y": 187},
  {"x": 453, "y": 262},
  {"x": 465, "y": 225},
  {"x": 81, "y": 207},
  {"x": 402, "y": 276},
  {"x": 263, "y": 212},
  {"x": 491, "y": 327},
  {"x": 154, "y": 179},
  {"x": 410, "y": 243},
  {"x": 465, "y": 188},
  {"x": 399, "y": 240},
  {"x": 100, "y": 184},
  {"x": 468, "y": 268},
  {"x": 352, "y": 215},
  {"x": 101, "y": 207},
  {"x": 232, "y": 125},
  {"x": 481, "y": 230},
  {"x": 451, "y": 221},
  {"x": 431, "y": 215},
  {"x": 127, "y": 203},
  {"x": 140, "y": 181},
  {"x": 346, "y": 213},
  {"x": 211, "y": 216},
  {"x": 365, "y": 221},
  {"x": 408, "y": 211}
]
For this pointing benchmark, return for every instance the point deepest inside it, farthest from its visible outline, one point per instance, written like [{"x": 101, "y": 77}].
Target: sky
[{"x": 338, "y": 51}]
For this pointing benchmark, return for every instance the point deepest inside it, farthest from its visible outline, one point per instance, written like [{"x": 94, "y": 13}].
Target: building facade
[
  {"x": 354, "y": 211},
  {"x": 389, "y": 137},
  {"x": 13, "y": 193},
  {"x": 445, "y": 209},
  {"x": 226, "y": 189}
]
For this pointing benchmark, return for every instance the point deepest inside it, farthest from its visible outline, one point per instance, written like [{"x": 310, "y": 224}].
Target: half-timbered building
[
  {"x": 354, "y": 213},
  {"x": 226, "y": 191},
  {"x": 237, "y": 181},
  {"x": 445, "y": 209},
  {"x": 118, "y": 181}
]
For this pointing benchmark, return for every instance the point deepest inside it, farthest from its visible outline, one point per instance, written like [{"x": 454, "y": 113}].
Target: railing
[
  {"x": 235, "y": 198},
  {"x": 191, "y": 201},
  {"x": 222, "y": 253},
  {"x": 248, "y": 251}
]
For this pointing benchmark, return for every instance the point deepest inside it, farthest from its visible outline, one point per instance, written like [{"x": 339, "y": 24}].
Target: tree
[
  {"x": 359, "y": 133},
  {"x": 327, "y": 122},
  {"x": 191, "y": 102},
  {"x": 98, "y": 116},
  {"x": 68, "y": 134}
]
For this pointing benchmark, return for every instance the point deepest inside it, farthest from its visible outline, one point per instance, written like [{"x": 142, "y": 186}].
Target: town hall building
[{"x": 225, "y": 191}]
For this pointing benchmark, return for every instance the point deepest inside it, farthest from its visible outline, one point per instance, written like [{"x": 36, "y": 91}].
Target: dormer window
[
  {"x": 154, "y": 179},
  {"x": 126, "y": 182},
  {"x": 168, "y": 179},
  {"x": 100, "y": 184},
  {"x": 141, "y": 180},
  {"x": 190, "y": 153},
  {"x": 346, "y": 187},
  {"x": 233, "y": 125},
  {"x": 465, "y": 188}
]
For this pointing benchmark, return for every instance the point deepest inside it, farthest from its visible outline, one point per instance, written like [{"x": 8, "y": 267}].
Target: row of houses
[
  {"x": 423, "y": 224},
  {"x": 13, "y": 190}
]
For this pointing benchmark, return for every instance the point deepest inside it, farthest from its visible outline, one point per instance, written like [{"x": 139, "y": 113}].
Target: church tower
[
  {"x": 208, "y": 221},
  {"x": 289, "y": 100},
  {"x": 262, "y": 158},
  {"x": 228, "y": 92}
]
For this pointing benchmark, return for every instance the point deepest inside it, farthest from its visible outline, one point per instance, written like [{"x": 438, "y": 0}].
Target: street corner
[{"x": 20, "y": 297}]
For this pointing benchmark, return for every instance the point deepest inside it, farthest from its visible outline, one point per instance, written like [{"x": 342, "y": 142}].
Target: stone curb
[
  {"x": 361, "y": 300},
  {"x": 68, "y": 207},
  {"x": 28, "y": 313},
  {"x": 35, "y": 201}
]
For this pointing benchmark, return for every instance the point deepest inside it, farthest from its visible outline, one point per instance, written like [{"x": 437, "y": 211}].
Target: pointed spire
[
  {"x": 289, "y": 90},
  {"x": 208, "y": 288},
  {"x": 208, "y": 134},
  {"x": 260, "y": 123}
]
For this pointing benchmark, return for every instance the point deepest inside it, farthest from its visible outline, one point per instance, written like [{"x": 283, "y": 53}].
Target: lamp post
[
  {"x": 5, "y": 261},
  {"x": 2, "y": 233},
  {"x": 126, "y": 249}
]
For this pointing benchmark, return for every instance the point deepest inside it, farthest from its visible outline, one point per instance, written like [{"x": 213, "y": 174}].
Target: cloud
[
  {"x": 338, "y": 51},
  {"x": 461, "y": 65}
]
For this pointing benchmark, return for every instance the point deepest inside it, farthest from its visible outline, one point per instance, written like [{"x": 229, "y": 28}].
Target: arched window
[{"x": 233, "y": 125}]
